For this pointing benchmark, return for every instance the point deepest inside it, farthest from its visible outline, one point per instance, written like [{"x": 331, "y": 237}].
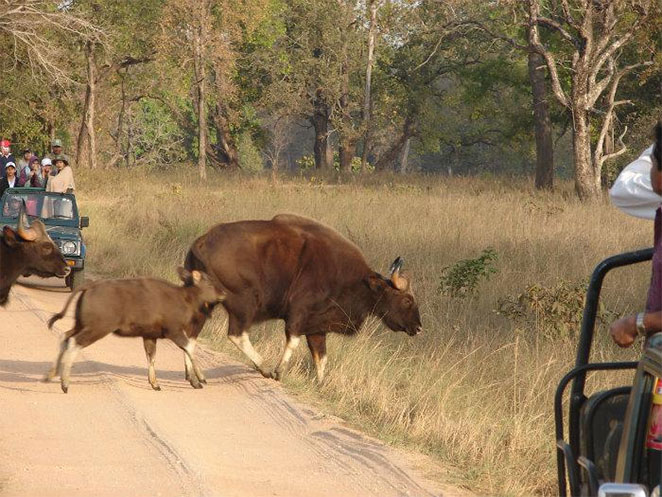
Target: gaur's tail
[{"x": 61, "y": 314}]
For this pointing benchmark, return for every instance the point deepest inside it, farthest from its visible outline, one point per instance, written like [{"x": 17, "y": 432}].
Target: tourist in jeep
[
  {"x": 64, "y": 180},
  {"x": 9, "y": 181},
  {"x": 31, "y": 175}
]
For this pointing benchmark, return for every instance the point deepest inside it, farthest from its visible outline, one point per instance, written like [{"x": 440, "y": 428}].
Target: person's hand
[{"x": 624, "y": 331}]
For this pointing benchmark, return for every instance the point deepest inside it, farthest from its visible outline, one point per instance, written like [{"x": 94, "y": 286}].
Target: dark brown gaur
[
  {"x": 28, "y": 249},
  {"x": 303, "y": 272},
  {"x": 140, "y": 307}
]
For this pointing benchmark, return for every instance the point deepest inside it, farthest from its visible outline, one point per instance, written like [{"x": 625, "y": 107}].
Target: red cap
[{"x": 5, "y": 143}]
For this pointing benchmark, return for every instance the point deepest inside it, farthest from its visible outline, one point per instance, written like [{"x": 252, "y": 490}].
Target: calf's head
[
  {"x": 394, "y": 300},
  {"x": 207, "y": 294},
  {"x": 29, "y": 249}
]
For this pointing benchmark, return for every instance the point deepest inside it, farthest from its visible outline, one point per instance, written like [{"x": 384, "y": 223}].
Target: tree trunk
[
  {"x": 542, "y": 122},
  {"x": 91, "y": 81},
  {"x": 320, "y": 120},
  {"x": 587, "y": 180},
  {"x": 226, "y": 146},
  {"x": 405, "y": 156},
  {"x": 367, "y": 103},
  {"x": 200, "y": 80},
  {"x": 390, "y": 158},
  {"x": 346, "y": 153},
  {"x": 86, "y": 137},
  {"x": 347, "y": 145}
]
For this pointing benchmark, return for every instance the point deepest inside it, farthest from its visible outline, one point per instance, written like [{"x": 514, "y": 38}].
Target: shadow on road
[{"x": 13, "y": 371}]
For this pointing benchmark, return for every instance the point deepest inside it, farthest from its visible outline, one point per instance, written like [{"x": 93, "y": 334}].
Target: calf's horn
[{"x": 22, "y": 229}]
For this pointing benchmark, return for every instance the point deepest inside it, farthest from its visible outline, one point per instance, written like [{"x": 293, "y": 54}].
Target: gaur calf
[
  {"x": 303, "y": 272},
  {"x": 140, "y": 307}
]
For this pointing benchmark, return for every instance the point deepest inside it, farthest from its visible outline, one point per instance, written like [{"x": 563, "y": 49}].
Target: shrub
[
  {"x": 555, "y": 311},
  {"x": 462, "y": 278}
]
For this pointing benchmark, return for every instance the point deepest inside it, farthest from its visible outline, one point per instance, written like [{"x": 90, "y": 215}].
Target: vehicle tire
[{"x": 75, "y": 279}]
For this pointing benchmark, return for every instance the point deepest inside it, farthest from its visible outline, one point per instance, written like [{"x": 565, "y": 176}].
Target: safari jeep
[
  {"x": 601, "y": 435},
  {"x": 59, "y": 212}
]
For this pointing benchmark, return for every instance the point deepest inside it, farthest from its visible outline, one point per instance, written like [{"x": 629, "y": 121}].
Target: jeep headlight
[{"x": 69, "y": 248}]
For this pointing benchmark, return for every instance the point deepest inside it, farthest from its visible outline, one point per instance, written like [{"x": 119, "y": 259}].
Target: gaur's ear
[
  {"x": 184, "y": 275},
  {"x": 376, "y": 283},
  {"x": 10, "y": 236},
  {"x": 197, "y": 276}
]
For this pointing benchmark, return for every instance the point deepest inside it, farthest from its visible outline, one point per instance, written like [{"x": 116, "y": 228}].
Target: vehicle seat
[{"x": 601, "y": 428}]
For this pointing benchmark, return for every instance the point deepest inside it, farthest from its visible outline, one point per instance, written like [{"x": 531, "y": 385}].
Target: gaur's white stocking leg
[
  {"x": 183, "y": 342},
  {"x": 244, "y": 344},
  {"x": 194, "y": 365},
  {"x": 290, "y": 346},
  {"x": 150, "y": 352},
  {"x": 67, "y": 361},
  {"x": 56, "y": 369},
  {"x": 317, "y": 346},
  {"x": 320, "y": 364}
]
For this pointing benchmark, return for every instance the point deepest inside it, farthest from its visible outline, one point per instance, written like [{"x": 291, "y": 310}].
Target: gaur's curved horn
[
  {"x": 396, "y": 266},
  {"x": 398, "y": 281},
  {"x": 22, "y": 229}
]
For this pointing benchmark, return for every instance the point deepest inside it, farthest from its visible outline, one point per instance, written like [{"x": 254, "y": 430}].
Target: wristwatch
[{"x": 641, "y": 328}]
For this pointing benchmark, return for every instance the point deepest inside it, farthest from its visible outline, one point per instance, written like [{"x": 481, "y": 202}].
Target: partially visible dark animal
[
  {"x": 143, "y": 307},
  {"x": 303, "y": 272},
  {"x": 27, "y": 250}
]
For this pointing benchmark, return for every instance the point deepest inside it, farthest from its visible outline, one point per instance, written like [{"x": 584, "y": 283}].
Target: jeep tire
[{"x": 75, "y": 278}]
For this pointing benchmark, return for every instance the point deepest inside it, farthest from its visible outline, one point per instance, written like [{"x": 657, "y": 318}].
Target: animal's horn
[
  {"x": 22, "y": 229},
  {"x": 396, "y": 266}
]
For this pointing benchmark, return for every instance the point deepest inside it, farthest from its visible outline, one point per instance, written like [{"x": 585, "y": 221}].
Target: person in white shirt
[{"x": 638, "y": 192}]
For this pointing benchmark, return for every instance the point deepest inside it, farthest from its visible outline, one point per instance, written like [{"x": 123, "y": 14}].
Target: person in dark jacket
[
  {"x": 9, "y": 181},
  {"x": 5, "y": 156}
]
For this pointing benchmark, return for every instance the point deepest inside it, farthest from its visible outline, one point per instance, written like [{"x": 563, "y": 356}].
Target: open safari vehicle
[{"x": 605, "y": 452}]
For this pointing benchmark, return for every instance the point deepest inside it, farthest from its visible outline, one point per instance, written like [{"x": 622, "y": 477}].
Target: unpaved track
[{"x": 112, "y": 435}]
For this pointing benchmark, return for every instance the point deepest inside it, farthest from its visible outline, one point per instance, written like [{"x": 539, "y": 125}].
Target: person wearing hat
[
  {"x": 31, "y": 175},
  {"x": 64, "y": 180},
  {"x": 9, "y": 181},
  {"x": 46, "y": 166},
  {"x": 56, "y": 149},
  {"x": 5, "y": 156}
]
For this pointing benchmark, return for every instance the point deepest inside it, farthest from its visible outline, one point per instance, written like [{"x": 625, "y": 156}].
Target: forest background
[{"x": 538, "y": 88}]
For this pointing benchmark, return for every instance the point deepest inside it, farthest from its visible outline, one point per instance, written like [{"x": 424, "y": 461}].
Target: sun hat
[
  {"x": 61, "y": 157},
  {"x": 46, "y": 162}
]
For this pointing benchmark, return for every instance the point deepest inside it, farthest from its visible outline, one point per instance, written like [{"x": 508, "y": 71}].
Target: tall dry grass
[{"x": 474, "y": 390}]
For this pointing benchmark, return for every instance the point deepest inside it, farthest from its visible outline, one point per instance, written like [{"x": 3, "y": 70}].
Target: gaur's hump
[{"x": 314, "y": 228}]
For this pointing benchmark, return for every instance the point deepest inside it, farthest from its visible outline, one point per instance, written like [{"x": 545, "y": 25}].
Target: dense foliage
[{"x": 395, "y": 85}]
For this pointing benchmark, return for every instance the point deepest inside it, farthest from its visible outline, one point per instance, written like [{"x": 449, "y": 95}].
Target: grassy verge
[{"x": 475, "y": 390}]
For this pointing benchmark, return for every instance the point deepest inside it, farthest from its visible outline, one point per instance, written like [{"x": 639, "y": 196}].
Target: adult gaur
[
  {"x": 303, "y": 272},
  {"x": 28, "y": 249}
]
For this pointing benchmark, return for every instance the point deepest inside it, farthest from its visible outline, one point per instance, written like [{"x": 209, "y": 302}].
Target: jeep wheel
[{"x": 75, "y": 279}]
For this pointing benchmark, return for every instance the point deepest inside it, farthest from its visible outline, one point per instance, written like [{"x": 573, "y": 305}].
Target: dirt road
[{"x": 113, "y": 435}]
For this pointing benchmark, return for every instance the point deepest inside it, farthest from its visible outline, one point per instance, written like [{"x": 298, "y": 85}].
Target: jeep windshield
[{"x": 46, "y": 206}]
